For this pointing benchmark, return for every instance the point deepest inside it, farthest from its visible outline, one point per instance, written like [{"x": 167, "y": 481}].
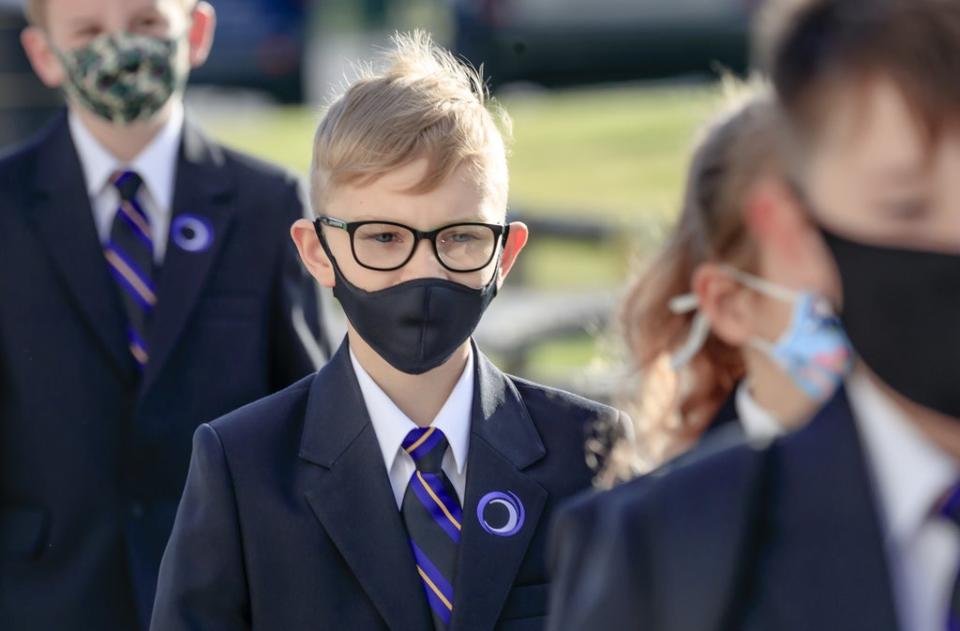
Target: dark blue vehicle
[{"x": 260, "y": 45}]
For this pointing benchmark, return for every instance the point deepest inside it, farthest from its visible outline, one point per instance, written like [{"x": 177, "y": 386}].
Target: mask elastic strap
[
  {"x": 762, "y": 285},
  {"x": 699, "y": 330}
]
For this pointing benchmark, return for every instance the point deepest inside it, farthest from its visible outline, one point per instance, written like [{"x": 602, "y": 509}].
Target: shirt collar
[
  {"x": 910, "y": 472},
  {"x": 757, "y": 422},
  {"x": 156, "y": 164},
  {"x": 391, "y": 425}
]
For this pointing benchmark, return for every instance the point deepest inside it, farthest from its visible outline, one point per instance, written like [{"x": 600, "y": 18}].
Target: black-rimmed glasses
[{"x": 385, "y": 246}]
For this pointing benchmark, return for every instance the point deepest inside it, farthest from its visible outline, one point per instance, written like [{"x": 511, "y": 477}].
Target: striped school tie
[
  {"x": 949, "y": 507},
  {"x": 432, "y": 514},
  {"x": 129, "y": 255}
]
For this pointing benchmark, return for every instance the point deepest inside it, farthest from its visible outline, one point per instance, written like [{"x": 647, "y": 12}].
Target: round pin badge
[
  {"x": 500, "y": 513},
  {"x": 192, "y": 233}
]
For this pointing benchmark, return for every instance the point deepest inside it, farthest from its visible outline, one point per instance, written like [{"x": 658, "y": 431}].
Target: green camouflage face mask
[{"x": 124, "y": 77}]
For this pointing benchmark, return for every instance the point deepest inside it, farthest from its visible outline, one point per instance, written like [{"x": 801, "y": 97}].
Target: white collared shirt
[
  {"x": 392, "y": 426},
  {"x": 156, "y": 165},
  {"x": 910, "y": 474},
  {"x": 757, "y": 422}
]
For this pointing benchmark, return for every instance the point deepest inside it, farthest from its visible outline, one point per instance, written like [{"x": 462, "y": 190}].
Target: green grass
[{"x": 617, "y": 153}]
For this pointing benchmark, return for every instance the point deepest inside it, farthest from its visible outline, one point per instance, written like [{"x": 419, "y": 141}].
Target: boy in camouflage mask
[{"x": 147, "y": 285}]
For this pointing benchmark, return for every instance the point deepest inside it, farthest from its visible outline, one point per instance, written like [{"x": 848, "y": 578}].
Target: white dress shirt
[
  {"x": 392, "y": 426},
  {"x": 910, "y": 475},
  {"x": 156, "y": 165},
  {"x": 757, "y": 422}
]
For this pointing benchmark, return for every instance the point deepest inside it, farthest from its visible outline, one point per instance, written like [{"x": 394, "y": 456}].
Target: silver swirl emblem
[
  {"x": 192, "y": 233},
  {"x": 514, "y": 509}
]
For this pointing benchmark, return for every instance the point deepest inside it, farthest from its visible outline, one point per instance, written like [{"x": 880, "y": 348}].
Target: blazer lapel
[
  {"x": 830, "y": 556},
  {"x": 503, "y": 442},
  {"x": 352, "y": 497},
  {"x": 204, "y": 190},
  {"x": 63, "y": 218}
]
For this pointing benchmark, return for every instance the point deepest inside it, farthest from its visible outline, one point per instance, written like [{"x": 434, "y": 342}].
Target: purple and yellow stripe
[
  {"x": 438, "y": 589},
  {"x": 130, "y": 277},
  {"x": 448, "y": 515}
]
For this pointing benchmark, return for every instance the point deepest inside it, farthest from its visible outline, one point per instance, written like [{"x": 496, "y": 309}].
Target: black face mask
[
  {"x": 414, "y": 326},
  {"x": 901, "y": 310}
]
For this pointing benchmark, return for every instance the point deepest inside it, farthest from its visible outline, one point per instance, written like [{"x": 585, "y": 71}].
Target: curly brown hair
[{"x": 671, "y": 409}]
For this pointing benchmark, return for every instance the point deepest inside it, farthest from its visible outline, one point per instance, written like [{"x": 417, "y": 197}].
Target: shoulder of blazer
[
  {"x": 282, "y": 410},
  {"x": 18, "y": 163},
  {"x": 555, "y": 406},
  {"x": 252, "y": 170}
]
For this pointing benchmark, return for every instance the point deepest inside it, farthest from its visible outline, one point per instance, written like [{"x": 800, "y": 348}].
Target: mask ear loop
[
  {"x": 699, "y": 330},
  {"x": 762, "y": 285}
]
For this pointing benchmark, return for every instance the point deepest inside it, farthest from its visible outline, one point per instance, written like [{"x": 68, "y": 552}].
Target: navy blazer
[
  {"x": 289, "y": 522},
  {"x": 784, "y": 536},
  {"x": 93, "y": 457}
]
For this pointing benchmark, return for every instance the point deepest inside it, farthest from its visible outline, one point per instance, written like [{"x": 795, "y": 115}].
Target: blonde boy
[
  {"x": 146, "y": 285},
  {"x": 407, "y": 485}
]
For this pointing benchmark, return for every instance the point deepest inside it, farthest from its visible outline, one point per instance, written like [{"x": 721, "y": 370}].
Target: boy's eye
[
  {"x": 460, "y": 237},
  {"x": 907, "y": 210},
  {"x": 88, "y": 32},
  {"x": 383, "y": 237}
]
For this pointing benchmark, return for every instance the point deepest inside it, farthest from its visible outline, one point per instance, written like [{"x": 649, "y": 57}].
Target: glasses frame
[{"x": 500, "y": 234}]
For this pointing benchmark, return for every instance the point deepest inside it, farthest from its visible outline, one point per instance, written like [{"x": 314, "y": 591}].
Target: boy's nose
[{"x": 424, "y": 263}]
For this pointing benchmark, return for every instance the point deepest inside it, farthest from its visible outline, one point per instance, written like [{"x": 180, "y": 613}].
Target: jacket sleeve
[
  {"x": 599, "y": 585},
  {"x": 202, "y": 584},
  {"x": 299, "y": 338}
]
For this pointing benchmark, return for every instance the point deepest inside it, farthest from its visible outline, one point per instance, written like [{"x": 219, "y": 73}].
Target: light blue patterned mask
[{"x": 814, "y": 350}]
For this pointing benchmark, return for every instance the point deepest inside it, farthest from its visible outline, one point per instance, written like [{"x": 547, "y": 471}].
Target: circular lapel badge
[
  {"x": 501, "y": 514},
  {"x": 192, "y": 232}
]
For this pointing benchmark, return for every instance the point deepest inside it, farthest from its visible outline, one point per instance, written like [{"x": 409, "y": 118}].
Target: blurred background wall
[{"x": 605, "y": 97}]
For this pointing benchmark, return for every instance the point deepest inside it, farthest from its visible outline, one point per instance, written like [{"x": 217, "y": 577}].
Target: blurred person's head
[
  {"x": 413, "y": 144},
  {"x": 872, "y": 99},
  {"x": 122, "y": 63},
  {"x": 742, "y": 306}
]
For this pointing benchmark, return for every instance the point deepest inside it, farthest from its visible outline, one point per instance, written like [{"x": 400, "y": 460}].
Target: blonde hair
[
  {"x": 36, "y": 10},
  {"x": 425, "y": 103},
  {"x": 671, "y": 410}
]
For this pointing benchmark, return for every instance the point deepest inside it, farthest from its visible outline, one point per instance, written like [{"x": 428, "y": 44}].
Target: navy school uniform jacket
[
  {"x": 577, "y": 528},
  {"x": 288, "y": 520},
  {"x": 785, "y": 536},
  {"x": 93, "y": 456}
]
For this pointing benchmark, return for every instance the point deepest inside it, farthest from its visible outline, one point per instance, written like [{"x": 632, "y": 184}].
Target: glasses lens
[
  {"x": 382, "y": 245},
  {"x": 466, "y": 247}
]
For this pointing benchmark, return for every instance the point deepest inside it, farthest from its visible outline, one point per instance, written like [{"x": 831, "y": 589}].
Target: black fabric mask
[
  {"x": 414, "y": 326},
  {"x": 901, "y": 311}
]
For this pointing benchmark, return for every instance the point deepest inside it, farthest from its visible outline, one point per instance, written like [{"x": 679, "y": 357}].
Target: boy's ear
[
  {"x": 200, "y": 35},
  {"x": 792, "y": 251},
  {"x": 304, "y": 236},
  {"x": 725, "y": 303},
  {"x": 42, "y": 58},
  {"x": 516, "y": 240}
]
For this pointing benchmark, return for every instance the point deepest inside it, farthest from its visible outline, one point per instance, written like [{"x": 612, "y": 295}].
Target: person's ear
[
  {"x": 791, "y": 250},
  {"x": 312, "y": 255},
  {"x": 44, "y": 61},
  {"x": 516, "y": 240},
  {"x": 776, "y": 220},
  {"x": 200, "y": 33},
  {"x": 724, "y": 302}
]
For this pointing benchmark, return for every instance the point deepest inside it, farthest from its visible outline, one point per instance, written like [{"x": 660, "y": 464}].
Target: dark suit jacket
[
  {"x": 784, "y": 537},
  {"x": 93, "y": 457},
  {"x": 288, "y": 520},
  {"x": 579, "y": 521}
]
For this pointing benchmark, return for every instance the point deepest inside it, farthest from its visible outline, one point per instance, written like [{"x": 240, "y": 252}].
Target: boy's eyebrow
[
  {"x": 897, "y": 174},
  {"x": 474, "y": 218}
]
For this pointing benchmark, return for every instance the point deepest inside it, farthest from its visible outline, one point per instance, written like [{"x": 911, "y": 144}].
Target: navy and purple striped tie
[
  {"x": 432, "y": 514},
  {"x": 949, "y": 507},
  {"x": 129, "y": 255}
]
